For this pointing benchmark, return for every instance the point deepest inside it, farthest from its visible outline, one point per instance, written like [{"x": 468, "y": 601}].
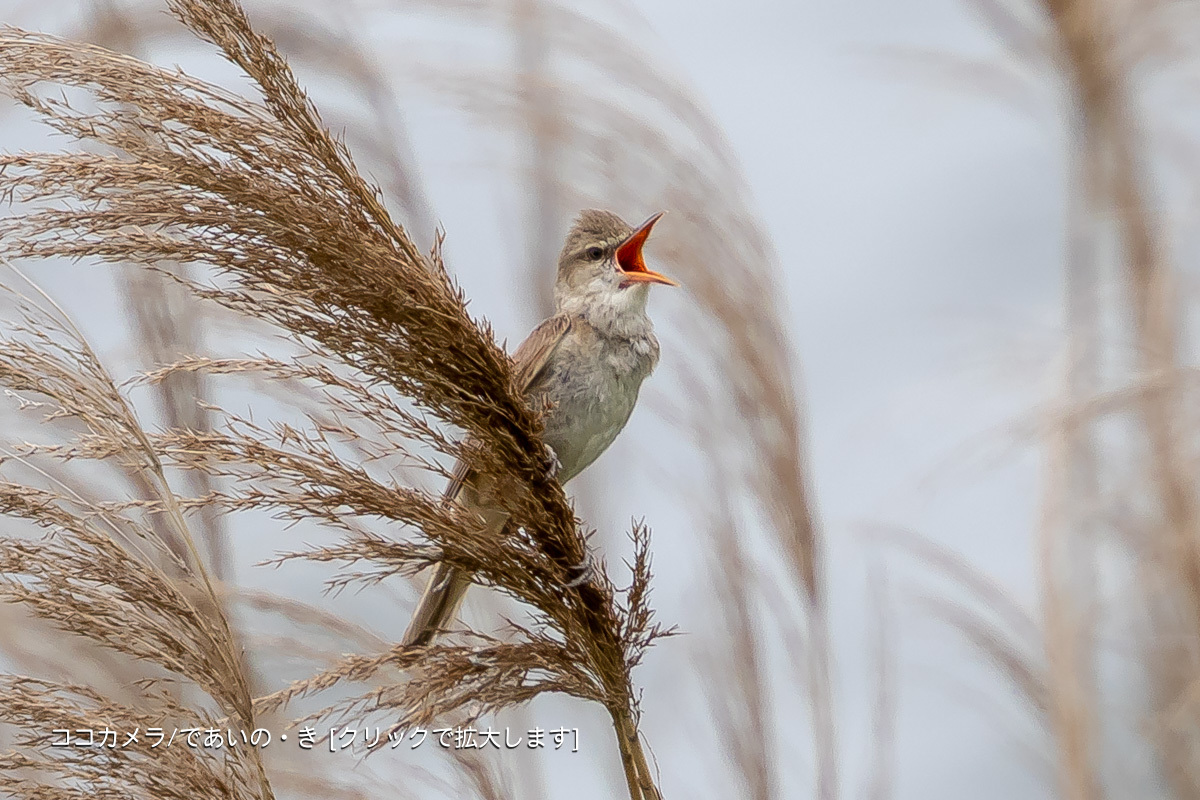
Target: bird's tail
[
  {"x": 438, "y": 605},
  {"x": 447, "y": 586}
]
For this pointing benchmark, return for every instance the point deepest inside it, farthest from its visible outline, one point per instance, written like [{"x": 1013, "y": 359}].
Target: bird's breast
[{"x": 594, "y": 387}]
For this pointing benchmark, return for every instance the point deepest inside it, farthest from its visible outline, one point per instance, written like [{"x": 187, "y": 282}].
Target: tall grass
[
  {"x": 216, "y": 199},
  {"x": 264, "y": 195}
]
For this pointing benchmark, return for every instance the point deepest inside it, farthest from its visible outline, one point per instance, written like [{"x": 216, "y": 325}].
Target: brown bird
[{"x": 588, "y": 360}]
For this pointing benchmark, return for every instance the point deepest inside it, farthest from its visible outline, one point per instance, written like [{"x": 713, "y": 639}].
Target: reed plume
[
  {"x": 107, "y": 573},
  {"x": 263, "y": 195}
]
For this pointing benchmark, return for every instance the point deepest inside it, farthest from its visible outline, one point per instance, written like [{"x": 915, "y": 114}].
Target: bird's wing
[
  {"x": 534, "y": 353},
  {"x": 529, "y": 361}
]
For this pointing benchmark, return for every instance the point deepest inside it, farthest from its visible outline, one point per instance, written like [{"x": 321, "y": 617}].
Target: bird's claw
[
  {"x": 553, "y": 465},
  {"x": 587, "y": 569}
]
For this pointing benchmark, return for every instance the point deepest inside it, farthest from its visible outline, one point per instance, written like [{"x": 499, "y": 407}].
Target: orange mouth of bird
[{"x": 630, "y": 261}]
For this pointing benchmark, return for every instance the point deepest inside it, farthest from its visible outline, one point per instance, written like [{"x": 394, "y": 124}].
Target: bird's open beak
[{"x": 629, "y": 256}]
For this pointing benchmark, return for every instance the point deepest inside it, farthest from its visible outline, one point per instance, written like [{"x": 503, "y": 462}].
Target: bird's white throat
[{"x": 610, "y": 308}]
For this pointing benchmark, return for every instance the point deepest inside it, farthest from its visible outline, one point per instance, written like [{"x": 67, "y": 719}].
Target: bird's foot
[
  {"x": 588, "y": 569},
  {"x": 553, "y": 465}
]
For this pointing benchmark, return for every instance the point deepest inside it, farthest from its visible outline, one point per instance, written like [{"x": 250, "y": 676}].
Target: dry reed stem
[
  {"x": 166, "y": 322},
  {"x": 1098, "y": 47},
  {"x": 741, "y": 701},
  {"x": 1086, "y": 32}
]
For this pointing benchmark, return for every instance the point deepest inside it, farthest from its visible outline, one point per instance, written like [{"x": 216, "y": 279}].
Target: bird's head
[{"x": 601, "y": 266}]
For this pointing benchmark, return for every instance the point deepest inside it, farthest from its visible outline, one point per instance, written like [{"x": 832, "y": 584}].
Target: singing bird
[{"x": 588, "y": 360}]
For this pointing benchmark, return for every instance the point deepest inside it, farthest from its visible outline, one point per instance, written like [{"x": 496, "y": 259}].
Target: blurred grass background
[{"x": 959, "y": 556}]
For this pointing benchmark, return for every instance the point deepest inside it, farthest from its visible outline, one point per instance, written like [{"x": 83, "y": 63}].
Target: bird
[{"x": 584, "y": 365}]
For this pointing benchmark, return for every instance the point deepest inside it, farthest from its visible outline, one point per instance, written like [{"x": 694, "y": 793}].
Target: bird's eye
[{"x": 594, "y": 253}]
